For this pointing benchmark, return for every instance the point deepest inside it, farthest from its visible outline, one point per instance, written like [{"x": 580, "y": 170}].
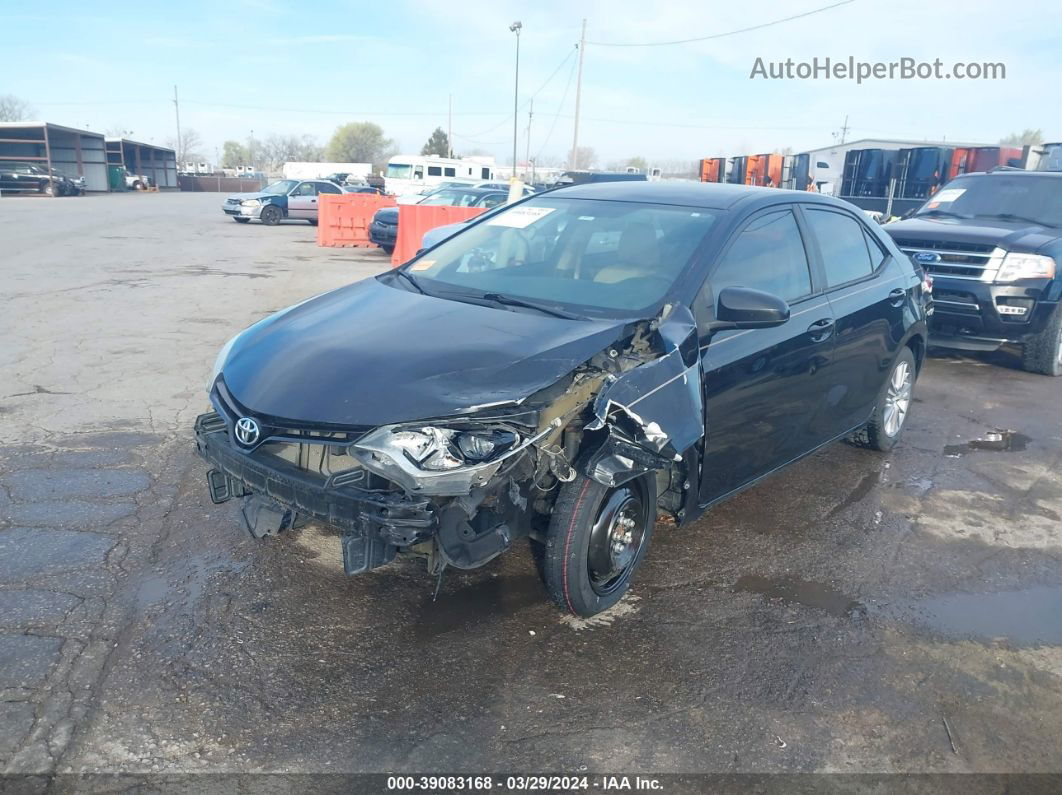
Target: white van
[{"x": 409, "y": 174}]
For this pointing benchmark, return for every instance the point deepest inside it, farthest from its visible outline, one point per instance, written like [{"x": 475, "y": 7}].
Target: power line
[
  {"x": 529, "y": 99},
  {"x": 719, "y": 35},
  {"x": 560, "y": 107}
]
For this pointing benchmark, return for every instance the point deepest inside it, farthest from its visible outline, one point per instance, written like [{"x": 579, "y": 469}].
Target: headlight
[
  {"x": 250, "y": 202},
  {"x": 436, "y": 449},
  {"x": 1025, "y": 266},
  {"x": 219, "y": 362}
]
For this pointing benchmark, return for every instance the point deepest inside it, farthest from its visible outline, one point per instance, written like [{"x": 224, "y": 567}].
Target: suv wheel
[
  {"x": 886, "y": 423},
  {"x": 270, "y": 215},
  {"x": 597, "y": 538},
  {"x": 48, "y": 188},
  {"x": 1044, "y": 354}
]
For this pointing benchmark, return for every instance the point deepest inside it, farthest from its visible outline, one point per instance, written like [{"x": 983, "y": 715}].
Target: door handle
[
  {"x": 821, "y": 330},
  {"x": 897, "y": 296}
]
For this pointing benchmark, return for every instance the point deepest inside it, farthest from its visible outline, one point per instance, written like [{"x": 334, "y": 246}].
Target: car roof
[
  {"x": 712, "y": 195},
  {"x": 1011, "y": 172}
]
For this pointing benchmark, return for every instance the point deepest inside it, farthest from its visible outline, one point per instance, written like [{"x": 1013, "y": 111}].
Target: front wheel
[
  {"x": 48, "y": 188},
  {"x": 887, "y": 421},
  {"x": 239, "y": 220},
  {"x": 1044, "y": 353},
  {"x": 598, "y": 536},
  {"x": 270, "y": 215}
]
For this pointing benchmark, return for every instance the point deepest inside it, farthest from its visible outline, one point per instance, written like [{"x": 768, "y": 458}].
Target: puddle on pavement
[
  {"x": 1027, "y": 617},
  {"x": 461, "y": 606},
  {"x": 858, "y": 494},
  {"x": 1000, "y": 440},
  {"x": 809, "y": 594}
]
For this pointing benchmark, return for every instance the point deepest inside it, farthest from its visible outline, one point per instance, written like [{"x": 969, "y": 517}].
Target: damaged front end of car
[{"x": 459, "y": 490}]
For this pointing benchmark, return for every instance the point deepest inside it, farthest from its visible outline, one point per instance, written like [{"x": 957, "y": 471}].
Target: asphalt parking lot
[{"x": 859, "y": 612}]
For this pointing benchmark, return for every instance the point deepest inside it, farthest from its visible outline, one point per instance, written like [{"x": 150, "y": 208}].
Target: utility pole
[
  {"x": 578, "y": 97},
  {"x": 530, "y": 114},
  {"x": 177, "y": 111},
  {"x": 515, "y": 28},
  {"x": 450, "y": 127},
  {"x": 844, "y": 128}
]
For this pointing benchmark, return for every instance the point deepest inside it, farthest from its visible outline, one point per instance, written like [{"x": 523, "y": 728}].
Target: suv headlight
[
  {"x": 250, "y": 203},
  {"x": 1025, "y": 266},
  {"x": 435, "y": 449}
]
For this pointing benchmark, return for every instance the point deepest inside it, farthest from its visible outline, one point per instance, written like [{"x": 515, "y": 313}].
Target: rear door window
[
  {"x": 327, "y": 187},
  {"x": 768, "y": 254},
  {"x": 843, "y": 245}
]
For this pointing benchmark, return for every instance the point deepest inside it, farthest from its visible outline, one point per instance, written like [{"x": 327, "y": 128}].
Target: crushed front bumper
[{"x": 375, "y": 521}]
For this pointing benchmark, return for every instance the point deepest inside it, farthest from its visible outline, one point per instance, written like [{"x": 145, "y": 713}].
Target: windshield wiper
[
  {"x": 410, "y": 278},
  {"x": 1013, "y": 217},
  {"x": 508, "y": 300}
]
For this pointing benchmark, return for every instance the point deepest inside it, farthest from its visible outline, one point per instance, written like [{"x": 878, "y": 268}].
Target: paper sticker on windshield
[
  {"x": 422, "y": 265},
  {"x": 519, "y": 217},
  {"x": 949, "y": 195}
]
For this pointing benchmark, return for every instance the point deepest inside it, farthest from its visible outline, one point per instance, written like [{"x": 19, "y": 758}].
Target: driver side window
[
  {"x": 305, "y": 189},
  {"x": 768, "y": 255}
]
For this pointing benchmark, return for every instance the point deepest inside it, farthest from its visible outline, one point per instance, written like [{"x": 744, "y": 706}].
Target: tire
[
  {"x": 1044, "y": 354},
  {"x": 894, "y": 401},
  {"x": 48, "y": 188},
  {"x": 138, "y": 185},
  {"x": 585, "y": 573},
  {"x": 239, "y": 220},
  {"x": 270, "y": 215},
  {"x": 312, "y": 222},
  {"x": 388, "y": 250}
]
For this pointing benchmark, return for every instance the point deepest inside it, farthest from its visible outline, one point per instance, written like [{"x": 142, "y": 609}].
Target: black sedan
[
  {"x": 567, "y": 369},
  {"x": 383, "y": 231}
]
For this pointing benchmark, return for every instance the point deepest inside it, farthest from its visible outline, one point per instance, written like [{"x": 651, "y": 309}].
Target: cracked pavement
[{"x": 858, "y": 613}]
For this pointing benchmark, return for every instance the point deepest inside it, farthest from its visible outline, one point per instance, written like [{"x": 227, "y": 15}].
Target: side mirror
[{"x": 742, "y": 307}]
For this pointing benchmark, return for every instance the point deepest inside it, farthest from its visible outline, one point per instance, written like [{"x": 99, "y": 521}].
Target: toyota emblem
[{"x": 247, "y": 431}]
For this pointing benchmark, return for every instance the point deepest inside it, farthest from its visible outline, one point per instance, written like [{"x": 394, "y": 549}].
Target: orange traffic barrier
[
  {"x": 416, "y": 219},
  {"x": 343, "y": 218}
]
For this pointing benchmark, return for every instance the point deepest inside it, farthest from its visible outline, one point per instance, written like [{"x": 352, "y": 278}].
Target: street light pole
[{"x": 515, "y": 28}]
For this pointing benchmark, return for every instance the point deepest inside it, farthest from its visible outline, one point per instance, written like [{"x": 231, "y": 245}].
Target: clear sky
[{"x": 274, "y": 66}]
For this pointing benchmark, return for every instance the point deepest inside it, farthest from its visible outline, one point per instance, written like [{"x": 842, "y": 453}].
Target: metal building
[
  {"x": 156, "y": 162},
  {"x": 76, "y": 153}
]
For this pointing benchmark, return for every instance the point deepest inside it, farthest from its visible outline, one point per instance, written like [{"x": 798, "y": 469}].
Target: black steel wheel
[
  {"x": 598, "y": 536},
  {"x": 270, "y": 215}
]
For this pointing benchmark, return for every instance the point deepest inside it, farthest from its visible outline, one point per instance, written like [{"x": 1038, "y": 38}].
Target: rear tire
[
  {"x": 388, "y": 250},
  {"x": 894, "y": 401},
  {"x": 1044, "y": 354},
  {"x": 270, "y": 215},
  {"x": 597, "y": 539}
]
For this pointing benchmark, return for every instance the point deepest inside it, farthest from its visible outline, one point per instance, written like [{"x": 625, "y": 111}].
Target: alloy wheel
[{"x": 897, "y": 399}]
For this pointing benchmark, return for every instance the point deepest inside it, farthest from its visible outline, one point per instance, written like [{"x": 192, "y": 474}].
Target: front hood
[
  {"x": 1010, "y": 235},
  {"x": 370, "y": 354},
  {"x": 244, "y": 196}
]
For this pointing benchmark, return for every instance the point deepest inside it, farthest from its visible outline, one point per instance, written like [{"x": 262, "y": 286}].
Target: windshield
[
  {"x": 596, "y": 257},
  {"x": 280, "y": 188},
  {"x": 399, "y": 170},
  {"x": 1024, "y": 197}
]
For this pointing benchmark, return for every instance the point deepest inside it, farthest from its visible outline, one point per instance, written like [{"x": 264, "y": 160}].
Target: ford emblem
[{"x": 927, "y": 257}]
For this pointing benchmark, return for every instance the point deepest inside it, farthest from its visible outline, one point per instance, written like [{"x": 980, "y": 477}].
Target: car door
[
  {"x": 302, "y": 201},
  {"x": 763, "y": 387},
  {"x": 867, "y": 290},
  {"x": 322, "y": 188}
]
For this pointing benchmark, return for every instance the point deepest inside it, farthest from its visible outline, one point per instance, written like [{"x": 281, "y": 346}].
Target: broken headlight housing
[{"x": 436, "y": 449}]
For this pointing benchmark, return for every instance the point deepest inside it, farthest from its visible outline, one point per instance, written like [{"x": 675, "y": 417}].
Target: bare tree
[
  {"x": 276, "y": 150},
  {"x": 1024, "y": 138},
  {"x": 188, "y": 149},
  {"x": 584, "y": 157},
  {"x": 14, "y": 109}
]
